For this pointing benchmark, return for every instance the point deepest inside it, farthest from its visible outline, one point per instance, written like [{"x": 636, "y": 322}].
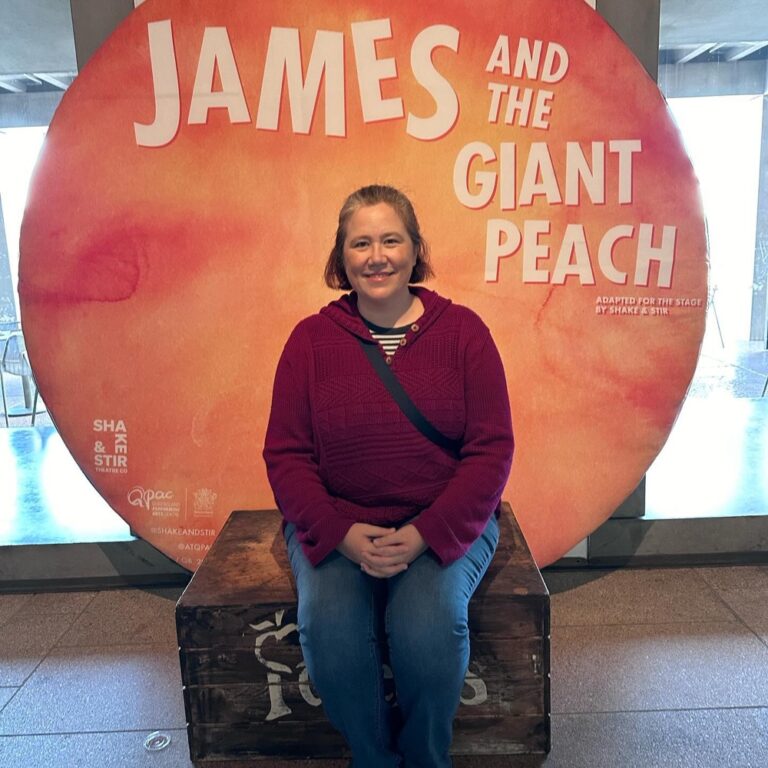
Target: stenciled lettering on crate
[{"x": 277, "y": 669}]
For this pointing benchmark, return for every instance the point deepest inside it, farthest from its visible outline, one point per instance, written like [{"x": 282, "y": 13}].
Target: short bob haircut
[{"x": 335, "y": 275}]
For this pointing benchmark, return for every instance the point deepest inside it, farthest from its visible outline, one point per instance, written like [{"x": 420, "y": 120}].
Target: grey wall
[
  {"x": 93, "y": 21},
  {"x": 637, "y": 23}
]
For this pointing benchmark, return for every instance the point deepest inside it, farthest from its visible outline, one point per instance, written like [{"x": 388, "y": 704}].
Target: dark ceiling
[
  {"x": 691, "y": 22},
  {"x": 36, "y": 36},
  {"x": 727, "y": 29},
  {"x": 37, "y": 50}
]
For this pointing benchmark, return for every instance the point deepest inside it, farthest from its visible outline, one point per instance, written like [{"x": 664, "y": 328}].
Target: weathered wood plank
[
  {"x": 290, "y": 700},
  {"x": 519, "y": 658},
  {"x": 306, "y": 740},
  {"x": 512, "y": 735},
  {"x": 231, "y": 626},
  {"x": 247, "y": 565},
  {"x": 288, "y": 739}
]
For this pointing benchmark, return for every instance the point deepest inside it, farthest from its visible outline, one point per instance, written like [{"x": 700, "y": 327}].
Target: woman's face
[{"x": 378, "y": 255}]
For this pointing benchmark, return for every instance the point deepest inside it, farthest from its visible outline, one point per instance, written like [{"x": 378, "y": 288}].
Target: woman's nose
[{"x": 377, "y": 255}]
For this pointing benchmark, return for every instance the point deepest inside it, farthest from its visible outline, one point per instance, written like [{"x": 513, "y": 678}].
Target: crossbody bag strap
[{"x": 406, "y": 405}]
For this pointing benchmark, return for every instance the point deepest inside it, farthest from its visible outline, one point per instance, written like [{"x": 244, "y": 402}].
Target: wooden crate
[{"x": 246, "y": 690}]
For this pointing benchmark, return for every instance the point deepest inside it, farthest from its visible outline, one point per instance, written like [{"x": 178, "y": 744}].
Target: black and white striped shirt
[{"x": 388, "y": 338}]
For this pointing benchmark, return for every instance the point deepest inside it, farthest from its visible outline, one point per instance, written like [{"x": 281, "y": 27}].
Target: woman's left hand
[{"x": 393, "y": 550}]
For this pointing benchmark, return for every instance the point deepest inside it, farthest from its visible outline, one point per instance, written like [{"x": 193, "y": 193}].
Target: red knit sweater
[{"x": 339, "y": 450}]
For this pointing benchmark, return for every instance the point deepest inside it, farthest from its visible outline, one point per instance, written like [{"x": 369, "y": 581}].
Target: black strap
[{"x": 400, "y": 396}]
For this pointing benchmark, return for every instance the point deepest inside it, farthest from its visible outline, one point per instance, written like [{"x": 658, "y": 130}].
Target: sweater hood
[{"x": 344, "y": 311}]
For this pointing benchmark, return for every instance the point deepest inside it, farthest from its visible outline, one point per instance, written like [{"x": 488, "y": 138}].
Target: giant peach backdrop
[{"x": 159, "y": 283}]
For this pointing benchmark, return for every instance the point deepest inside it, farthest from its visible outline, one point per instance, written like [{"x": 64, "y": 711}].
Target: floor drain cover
[{"x": 156, "y": 741}]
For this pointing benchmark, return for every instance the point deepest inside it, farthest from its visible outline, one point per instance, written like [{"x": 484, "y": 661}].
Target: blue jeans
[{"x": 422, "y": 612}]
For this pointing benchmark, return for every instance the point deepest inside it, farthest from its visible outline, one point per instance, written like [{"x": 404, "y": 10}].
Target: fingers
[
  {"x": 393, "y": 550},
  {"x": 382, "y": 552},
  {"x": 383, "y": 572},
  {"x": 386, "y": 558},
  {"x": 408, "y": 535},
  {"x": 374, "y": 531},
  {"x": 376, "y": 559},
  {"x": 388, "y": 539}
]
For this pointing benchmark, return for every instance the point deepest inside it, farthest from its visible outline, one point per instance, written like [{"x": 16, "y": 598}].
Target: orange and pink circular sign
[{"x": 186, "y": 199}]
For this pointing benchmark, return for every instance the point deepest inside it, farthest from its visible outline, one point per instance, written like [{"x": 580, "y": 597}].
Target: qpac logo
[{"x": 143, "y": 497}]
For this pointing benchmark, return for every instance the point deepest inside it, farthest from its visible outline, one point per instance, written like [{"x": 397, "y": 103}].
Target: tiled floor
[{"x": 650, "y": 669}]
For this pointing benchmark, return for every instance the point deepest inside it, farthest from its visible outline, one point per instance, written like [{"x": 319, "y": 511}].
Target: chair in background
[
  {"x": 713, "y": 308},
  {"x": 14, "y": 362}
]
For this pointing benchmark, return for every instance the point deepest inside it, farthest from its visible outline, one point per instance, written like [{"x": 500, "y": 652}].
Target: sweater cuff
[
  {"x": 439, "y": 538},
  {"x": 323, "y": 538}
]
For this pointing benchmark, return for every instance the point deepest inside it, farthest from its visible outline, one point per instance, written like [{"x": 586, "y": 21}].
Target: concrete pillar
[
  {"x": 759, "y": 321},
  {"x": 637, "y": 23},
  {"x": 93, "y": 22}
]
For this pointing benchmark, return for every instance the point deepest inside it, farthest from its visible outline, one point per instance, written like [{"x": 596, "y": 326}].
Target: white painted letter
[
  {"x": 605, "y": 252},
  {"x": 539, "y": 177},
  {"x": 664, "y": 255},
  {"x": 507, "y": 175},
  {"x": 371, "y": 71},
  {"x": 485, "y": 179},
  {"x": 496, "y": 248},
  {"x": 500, "y": 56},
  {"x": 555, "y": 52},
  {"x": 574, "y": 245},
  {"x": 165, "y": 79},
  {"x": 496, "y": 90},
  {"x": 528, "y": 59},
  {"x": 533, "y": 251},
  {"x": 284, "y": 57},
  {"x": 542, "y": 109},
  {"x": 625, "y": 150},
  {"x": 517, "y": 103},
  {"x": 428, "y": 128},
  {"x": 578, "y": 169},
  {"x": 216, "y": 51}
]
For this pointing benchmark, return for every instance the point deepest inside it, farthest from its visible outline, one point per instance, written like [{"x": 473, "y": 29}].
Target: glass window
[
  {"x": 44, "y": 498},
  {"x": 713, "y": 65},
  {"x": 19, "y": 148}
]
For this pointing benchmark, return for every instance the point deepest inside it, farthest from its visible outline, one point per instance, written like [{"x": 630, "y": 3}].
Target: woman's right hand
[{"x": 358, "y": 547}]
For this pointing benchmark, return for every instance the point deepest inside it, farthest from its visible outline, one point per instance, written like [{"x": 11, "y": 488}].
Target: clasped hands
[{"x": 382, "y": 552}]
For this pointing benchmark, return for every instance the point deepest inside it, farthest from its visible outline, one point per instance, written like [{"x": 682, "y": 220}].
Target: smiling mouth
[{"x": 378, "y": 275}]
